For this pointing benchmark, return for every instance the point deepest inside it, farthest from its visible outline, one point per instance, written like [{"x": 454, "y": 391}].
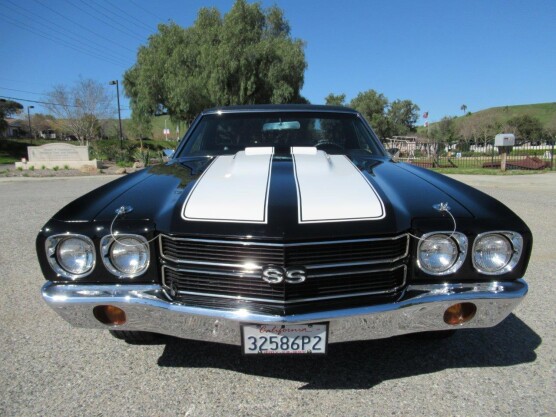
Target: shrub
[
  {"x": 56, "y": 168},
  {"x": 19, "y": 168},
  {"x": 66, "y": 167},
  {"x": 43, "y": 167},
  {"x": 32, "y": 168}
]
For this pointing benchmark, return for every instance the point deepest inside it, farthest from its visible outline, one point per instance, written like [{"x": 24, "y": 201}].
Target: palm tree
[{"x": 463, "y": 108}]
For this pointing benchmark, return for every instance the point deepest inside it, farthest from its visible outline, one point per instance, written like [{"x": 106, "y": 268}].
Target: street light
[
  {"x": 117, "y": 84},
  {"x": 29, "y": 118}
]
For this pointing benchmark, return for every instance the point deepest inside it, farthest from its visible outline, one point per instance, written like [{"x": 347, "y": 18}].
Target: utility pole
[
  {"x": 29, "y": 118},
  {"x": 117, "y": 84}
]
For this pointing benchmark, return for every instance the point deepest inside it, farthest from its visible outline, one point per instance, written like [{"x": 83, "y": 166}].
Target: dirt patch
[{"x": 106, "y": 168}]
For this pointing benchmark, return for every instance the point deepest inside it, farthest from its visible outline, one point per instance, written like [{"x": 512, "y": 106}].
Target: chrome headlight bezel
[
  {"x": 514, "y": 239},
  {"x": 106, "y": 250},
  {"x": 52, "y": 245},
  {"x": 461, "y": 245}
]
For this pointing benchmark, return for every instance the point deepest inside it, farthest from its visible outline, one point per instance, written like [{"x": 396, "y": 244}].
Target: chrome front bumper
[{"x": 421, "y": 308}]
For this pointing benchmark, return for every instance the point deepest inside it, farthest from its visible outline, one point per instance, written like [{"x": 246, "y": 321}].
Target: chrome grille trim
[
  {"x": 284, "y": 245},
  {"x": 285, "y": 302}
]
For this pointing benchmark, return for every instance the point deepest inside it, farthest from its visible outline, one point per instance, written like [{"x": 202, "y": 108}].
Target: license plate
[{"x": 284, "y": 339}]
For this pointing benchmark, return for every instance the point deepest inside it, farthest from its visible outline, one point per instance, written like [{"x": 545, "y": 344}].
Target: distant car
[{"x": 283, "y": 229}]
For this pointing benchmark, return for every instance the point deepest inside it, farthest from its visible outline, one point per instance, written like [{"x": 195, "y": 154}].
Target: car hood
[{"x": 283, "y": 197}]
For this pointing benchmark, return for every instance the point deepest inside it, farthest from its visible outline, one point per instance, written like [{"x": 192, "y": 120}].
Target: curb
[{"x": 77, "y": 177}]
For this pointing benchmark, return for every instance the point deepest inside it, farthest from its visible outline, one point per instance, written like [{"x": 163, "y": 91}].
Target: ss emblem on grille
[{"x": 276, "y": 274}]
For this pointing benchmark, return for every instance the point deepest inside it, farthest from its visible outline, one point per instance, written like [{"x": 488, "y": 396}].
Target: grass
[
  {"x": 487, "y": 171},
  {"x": 7, "y": 159}
]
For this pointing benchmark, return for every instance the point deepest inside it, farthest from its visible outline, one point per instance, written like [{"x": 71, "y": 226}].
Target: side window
[
  {"x": 361, "y": 137},
  {"x": 198, "y": 138}
]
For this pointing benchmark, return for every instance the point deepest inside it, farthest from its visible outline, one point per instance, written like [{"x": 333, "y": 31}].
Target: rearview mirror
[{"x": 168, "y": 153}]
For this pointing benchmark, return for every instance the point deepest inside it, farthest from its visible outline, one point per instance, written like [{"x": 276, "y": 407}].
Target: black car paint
[{"x": 157, "y": 195}]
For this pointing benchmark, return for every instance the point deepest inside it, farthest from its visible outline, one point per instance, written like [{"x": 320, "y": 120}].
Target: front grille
[
  {"x": 310, "y": 255},
  {"x": 251, "y": 287},
  {"x": 232, "y": 269}
]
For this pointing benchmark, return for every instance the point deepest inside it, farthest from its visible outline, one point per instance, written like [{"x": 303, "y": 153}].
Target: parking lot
[{"x": 48, "y": 368}]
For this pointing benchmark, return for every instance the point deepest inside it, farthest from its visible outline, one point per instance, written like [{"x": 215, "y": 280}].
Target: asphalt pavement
[{"x": 48, "y": 368}]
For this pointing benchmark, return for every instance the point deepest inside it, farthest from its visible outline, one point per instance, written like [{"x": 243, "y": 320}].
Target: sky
[{"x": 439, "y": 54}]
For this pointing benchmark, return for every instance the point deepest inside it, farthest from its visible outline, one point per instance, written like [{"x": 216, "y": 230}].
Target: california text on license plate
[{"x": 284, "y": 339}]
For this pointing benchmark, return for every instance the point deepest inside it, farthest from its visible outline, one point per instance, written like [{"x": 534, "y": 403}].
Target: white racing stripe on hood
[
  {"x": 233, "y": 189},
  {"x": 331, "y": 189}
]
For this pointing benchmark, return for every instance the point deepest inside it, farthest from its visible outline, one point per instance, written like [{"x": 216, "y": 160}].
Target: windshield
[{"x": 228, "y": 133}]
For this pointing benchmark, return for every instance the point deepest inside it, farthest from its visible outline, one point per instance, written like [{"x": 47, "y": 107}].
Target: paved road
[{"x": 48, "y": 368}]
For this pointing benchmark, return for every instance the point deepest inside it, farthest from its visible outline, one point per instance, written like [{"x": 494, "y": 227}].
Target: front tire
[{"x": 135, "y": 337}]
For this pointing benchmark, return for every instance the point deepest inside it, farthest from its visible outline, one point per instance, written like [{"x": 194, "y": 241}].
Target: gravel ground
[{"x": 48, "y": 368}]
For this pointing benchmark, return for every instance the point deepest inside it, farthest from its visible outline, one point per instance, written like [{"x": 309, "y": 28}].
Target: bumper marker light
[
  {"x": 459, "y": 313},
  {"x": 110, "y": 315}
]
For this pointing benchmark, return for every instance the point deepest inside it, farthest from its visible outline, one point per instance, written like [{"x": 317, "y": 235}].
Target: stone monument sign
[{"x": 57, "y": 155}]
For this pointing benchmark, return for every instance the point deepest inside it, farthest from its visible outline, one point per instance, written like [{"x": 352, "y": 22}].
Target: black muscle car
[{"x": 283, "y": 229}]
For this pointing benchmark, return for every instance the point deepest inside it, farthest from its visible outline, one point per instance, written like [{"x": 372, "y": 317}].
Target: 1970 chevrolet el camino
[{"x": 283, "y": 229}]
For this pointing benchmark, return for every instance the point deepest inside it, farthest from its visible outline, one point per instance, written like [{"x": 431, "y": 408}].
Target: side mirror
[
  {"x": 394, "y": 153},
  {"x": 168, "y": 153}
]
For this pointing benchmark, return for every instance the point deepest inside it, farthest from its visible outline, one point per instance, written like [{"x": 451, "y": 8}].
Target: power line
[
  {"x": 49, "y": 103},
  {"x": 56, "y": 39},
  {"x": 147, "y": 11},
  {"x": 23, "y": 91},
  {"x": 68, "y": 37},
  {"x": 112, "y": 42},
  {"x": 118, "y": 28},
  {"x": 67, "y": 33},
  {"x": 125, "y": 14}
]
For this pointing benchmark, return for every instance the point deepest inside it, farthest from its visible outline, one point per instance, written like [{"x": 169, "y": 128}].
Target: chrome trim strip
[
  {"x": 420, "y": 308},
  {"x": 366, "y": 271},
  {"x": 285, "y": 110},
  {"x": 286, "y": 302},
  {"x": 247, "y": 243}
]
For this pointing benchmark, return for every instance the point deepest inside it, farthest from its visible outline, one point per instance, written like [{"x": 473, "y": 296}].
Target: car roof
[{"x": 279, "y": 107}]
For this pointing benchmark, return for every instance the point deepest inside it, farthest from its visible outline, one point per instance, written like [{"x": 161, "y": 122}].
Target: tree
[
  {"x": 335, "y": 99},
  {"x": 8, "y": 108},
  {"x": 486, "y": 127},
  {"x": 245, "y": 57},
  {"x": 403, "y": 115},
  {"x": 372, "y": 106},
  {"x": 444, "y": 130},
  {"x": 463, "y": 108},
  {"x": 81, "y": 108},
  {"x": 526, "y": 127},
  {"x": 140, "y": 128},
  {"x": 550, "y": 130},
  {"x": 42, "y": 122}
]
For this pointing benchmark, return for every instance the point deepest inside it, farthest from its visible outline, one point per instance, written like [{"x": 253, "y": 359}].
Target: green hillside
[{"x": 545, "y": 112}]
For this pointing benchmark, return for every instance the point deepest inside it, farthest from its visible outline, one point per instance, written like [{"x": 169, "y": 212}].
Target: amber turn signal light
[
  {"x": 109, "y": 315},
  {"x": 459, "y": 313}
]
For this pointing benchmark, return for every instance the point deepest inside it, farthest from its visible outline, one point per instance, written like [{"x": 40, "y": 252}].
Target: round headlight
[
  {"x": 441, "y": 254},
  {"x": 492, "y": 253},
  {"x": 76, "y": 255},
  {"x": 128, "y": 256}
]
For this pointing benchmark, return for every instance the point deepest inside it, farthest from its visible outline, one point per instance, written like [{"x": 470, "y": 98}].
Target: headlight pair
[
  {"x": 73, "y": 256},
  {"x": 493, "y": 253}
]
